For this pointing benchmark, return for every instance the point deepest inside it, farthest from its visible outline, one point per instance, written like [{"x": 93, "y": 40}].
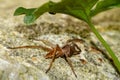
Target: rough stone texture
[{"x": 30, "y": 64}]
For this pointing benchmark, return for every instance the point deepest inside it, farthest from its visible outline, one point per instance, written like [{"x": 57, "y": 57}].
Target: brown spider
[{"x": 69, "y": 49}]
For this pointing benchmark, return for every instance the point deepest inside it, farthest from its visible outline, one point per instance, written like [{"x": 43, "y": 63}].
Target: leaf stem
[{"x": 111, "y": 53}]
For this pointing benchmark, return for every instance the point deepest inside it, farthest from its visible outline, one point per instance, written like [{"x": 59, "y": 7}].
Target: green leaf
[
  {"x": 80, "y": 8},
  {"x": 21, "y": 10},
  {"x": 29, "y": 18},
  {"x": 103, "y": 5}
]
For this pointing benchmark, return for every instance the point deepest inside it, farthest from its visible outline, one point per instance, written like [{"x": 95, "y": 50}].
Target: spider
[{"x": 66, "y": 51}]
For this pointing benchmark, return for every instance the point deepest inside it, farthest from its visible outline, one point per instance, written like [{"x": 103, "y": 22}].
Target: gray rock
[{"x": 30, "y": 64}]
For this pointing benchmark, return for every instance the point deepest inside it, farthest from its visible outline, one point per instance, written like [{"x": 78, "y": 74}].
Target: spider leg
[
  {"x": 53, "y": 59},
  {"x": 46, "y": 42},
  {"x": 35, "y": 47},
  {"x": 69, "y": 62},
  {"x": 76, "y": 40},
  {"x": 57, "y": 52}
]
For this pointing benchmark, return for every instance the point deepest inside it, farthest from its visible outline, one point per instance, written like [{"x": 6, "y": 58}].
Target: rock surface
[{"x": 30, "y": 64}]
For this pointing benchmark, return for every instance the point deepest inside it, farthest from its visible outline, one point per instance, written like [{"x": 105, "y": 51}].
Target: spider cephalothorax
[{"x": 66, "y": 51}]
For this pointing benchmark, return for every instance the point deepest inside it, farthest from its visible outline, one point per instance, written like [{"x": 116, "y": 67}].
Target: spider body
[{"x": 66, "y": 51}]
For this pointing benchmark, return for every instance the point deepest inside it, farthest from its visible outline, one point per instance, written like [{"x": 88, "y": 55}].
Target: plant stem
[{"x": 111, "y": 53}]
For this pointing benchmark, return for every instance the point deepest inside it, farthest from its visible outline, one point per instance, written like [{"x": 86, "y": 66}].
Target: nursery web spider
[{"x": 66, "y": 51}]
